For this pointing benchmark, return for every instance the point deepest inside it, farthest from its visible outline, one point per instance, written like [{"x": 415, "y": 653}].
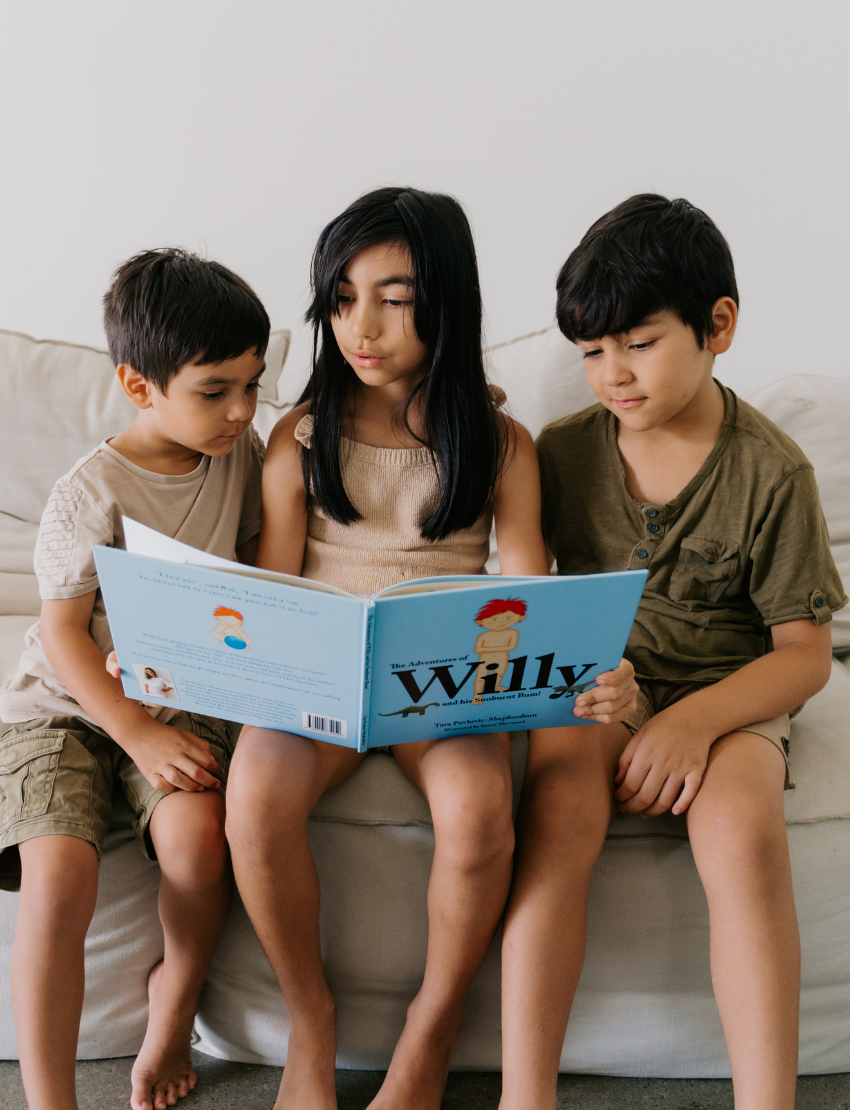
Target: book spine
[{"x": 366, "y": 690}]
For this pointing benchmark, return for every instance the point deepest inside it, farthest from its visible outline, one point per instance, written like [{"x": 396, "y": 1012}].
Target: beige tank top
[{"x": 393, "y": 490}]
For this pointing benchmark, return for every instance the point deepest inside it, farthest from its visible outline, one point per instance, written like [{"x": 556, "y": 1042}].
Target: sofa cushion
[
  {"x": 59, "y": 401},
  {"x": 543, "y": 376},
  {"x": 815, "y": 412}
]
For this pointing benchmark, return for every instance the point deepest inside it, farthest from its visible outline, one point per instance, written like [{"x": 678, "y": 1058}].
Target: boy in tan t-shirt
[
  {"x": 672, "y": 473},
  {"x": 188, "y": 338}
]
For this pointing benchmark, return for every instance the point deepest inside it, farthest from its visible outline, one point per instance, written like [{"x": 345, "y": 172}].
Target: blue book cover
[{"x": 435, "y": 657}]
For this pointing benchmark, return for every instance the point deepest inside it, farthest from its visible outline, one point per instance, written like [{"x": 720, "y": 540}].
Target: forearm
[
  {"x": 768, "y": 687},
  {"x": 80, "y": 667}
]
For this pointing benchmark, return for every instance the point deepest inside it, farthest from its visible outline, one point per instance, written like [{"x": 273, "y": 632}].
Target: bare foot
[
  {"x": 308, "y": 1078},
  {"x": 418, "y": 1071},
  {"x": 163, "y": 1069}
]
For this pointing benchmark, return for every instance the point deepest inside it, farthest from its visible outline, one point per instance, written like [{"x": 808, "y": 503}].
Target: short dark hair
[
  {"x": 168, "y": 307},
  {"x": 644, "y": 256}
]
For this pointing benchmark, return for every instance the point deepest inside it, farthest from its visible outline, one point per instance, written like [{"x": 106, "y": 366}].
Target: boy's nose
[{"x": 615, "y": 371}]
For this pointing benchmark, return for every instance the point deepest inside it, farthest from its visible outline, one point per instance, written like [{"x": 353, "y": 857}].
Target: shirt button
[
  {"x": 652, "y": 513},
  {"x": 642, "y": 553},
  {"x": 654, "y": 527},
  {"x": 818, "y": 602}
]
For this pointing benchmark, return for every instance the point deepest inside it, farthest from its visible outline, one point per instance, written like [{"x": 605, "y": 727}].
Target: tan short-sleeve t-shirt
[
  {"x": 744, "y": 546},
  {"x": 216, "y": 507}
]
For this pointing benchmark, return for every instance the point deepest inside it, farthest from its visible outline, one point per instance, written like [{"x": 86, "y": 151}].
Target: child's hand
[
  {"x": 171, "y": 758},
  {"x": 112, "y": 665},
  {"x": 614, "y": 698},
  {"x": 663, "y": 763}
]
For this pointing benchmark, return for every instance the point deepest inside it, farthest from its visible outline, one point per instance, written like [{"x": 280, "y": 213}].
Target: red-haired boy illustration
[
  {"x": 230, "y": 629},
  {"x": 494, "y": 646}
]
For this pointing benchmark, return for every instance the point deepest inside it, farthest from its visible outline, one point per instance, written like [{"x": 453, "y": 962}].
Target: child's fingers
[
  {"x": 198, "y": 750},
  {"x": 640, "y": 788},
  {"x": 667, "y": 796},
  {"x": 626, "y": 759},
  {"x": 693, "y": 781},
  {"x": 609, "y": 711},
  {"x": 112, "y": 665},
  {"x": 197, "y": 775}
]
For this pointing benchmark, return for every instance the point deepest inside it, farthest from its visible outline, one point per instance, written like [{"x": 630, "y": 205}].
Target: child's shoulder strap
[
  {"x": 304, "y": 430},
  {"x": 497, "y": 395}
]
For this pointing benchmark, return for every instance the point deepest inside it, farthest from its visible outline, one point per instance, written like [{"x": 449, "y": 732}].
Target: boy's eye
[
  {"x": 214, "y": 396},
  {"x": 343, "y": 298},
  {"x": 253, "y": 386},
  {"x": 593, "y": 353},
  {"x": 643, "y": 346},
  {"x": 393, "y": 303}
]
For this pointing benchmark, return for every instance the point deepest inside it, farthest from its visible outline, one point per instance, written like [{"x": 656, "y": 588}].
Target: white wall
[{"x": 241, "y": 128}]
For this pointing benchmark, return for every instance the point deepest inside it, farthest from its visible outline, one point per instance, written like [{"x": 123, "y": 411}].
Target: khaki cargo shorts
[
  {"x": 653, "y": 697},
  {"x": 58, "y": 775}
]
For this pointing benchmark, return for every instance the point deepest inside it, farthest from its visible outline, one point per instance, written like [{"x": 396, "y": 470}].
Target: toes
[{"x": 141, "y": 1097}]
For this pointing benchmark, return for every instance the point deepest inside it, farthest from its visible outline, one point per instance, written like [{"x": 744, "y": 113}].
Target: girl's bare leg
[
  {"x": 737, "y": 829},
  {"x": 194, "y": 896},
  {"x": 58, "y": 894},
  {"x": 275, "y": 781},
  {"x": 467, "y": 782},
  {"x": 566, "y": 807}
]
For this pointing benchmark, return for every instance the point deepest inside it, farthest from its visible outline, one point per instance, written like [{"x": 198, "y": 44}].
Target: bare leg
[
  {"x": 566, "y": 807},
  {"x": 467, "y": 781},
  {"x": 58, "y": 894},
  {"x": 737, "y": 830},
  {"x": 275, "y": 781},
  {"x": 194, "y": 895}
]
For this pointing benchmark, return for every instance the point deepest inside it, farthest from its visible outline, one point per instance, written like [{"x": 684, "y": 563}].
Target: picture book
[{"x": 424, "y": 659}]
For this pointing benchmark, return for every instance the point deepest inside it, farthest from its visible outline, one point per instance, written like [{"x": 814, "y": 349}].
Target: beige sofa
[{"x": 644, "y": 1005}]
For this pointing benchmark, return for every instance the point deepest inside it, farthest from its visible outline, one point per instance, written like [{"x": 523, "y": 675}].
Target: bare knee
[
  {"x": 58, "y": 884},
  {"x": 738, "y": 842},
  {"x": 190, "y": 840},
  {"x": 264, "y": 808},
  {"x": 474, "y": 829},
  {"x": 568, "y": 812}
]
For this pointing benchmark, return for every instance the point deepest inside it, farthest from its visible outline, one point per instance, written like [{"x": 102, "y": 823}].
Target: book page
[{"x": 141, "y": 540}]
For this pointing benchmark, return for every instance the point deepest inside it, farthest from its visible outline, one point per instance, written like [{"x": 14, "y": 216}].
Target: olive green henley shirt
[{"x": 742, "y": 547}]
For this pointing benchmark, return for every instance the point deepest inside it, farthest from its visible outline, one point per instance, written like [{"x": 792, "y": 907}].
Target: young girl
[{"x": 391, "y": 468}]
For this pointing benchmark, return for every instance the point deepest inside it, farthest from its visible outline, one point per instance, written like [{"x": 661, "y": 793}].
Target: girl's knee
[{"x": 476, "y": 828}]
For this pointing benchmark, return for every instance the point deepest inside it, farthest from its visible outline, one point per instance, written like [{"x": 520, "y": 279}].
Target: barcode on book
[{"x": 330, "y": 726}]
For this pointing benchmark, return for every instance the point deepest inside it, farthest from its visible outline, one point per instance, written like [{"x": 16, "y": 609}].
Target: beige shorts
[
  {"x": 653, "y": 697},
  {"x": 58, "y": 774}
]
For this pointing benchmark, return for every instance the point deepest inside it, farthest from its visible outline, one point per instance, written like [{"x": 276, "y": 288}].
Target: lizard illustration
[
  {"x": 559, "y": 691},
  {"x": 420, "y": 709}
]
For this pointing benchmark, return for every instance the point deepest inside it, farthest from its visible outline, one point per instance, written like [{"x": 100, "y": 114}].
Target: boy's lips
[{"x": 628, "y": 402}]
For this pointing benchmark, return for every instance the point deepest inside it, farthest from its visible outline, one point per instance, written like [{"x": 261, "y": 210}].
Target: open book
[{"x": 424, "y": 659}]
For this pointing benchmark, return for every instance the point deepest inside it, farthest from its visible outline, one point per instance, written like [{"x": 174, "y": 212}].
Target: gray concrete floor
[{"x": 104, "y": 1085}]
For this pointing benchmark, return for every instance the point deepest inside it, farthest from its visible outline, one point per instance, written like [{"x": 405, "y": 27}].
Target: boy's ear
[
  {"x": 724, "y": 318},
  {"x": 135, "y": 387}
]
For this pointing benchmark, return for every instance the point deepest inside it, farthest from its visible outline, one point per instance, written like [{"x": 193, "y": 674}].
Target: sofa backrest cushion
[
  {"x": 815, "y": 412},
  {"x": 543, "y": 376},
  {"x": 59, "y": 401}
]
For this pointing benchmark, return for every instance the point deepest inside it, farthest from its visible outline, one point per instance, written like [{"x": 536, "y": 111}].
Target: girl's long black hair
[{"x": 463, "y": 430}]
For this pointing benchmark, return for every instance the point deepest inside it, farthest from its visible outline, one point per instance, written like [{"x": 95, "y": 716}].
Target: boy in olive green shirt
[{"x": 671, "y": 472}]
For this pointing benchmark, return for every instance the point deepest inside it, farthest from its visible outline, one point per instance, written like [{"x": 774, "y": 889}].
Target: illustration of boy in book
[
  {"x": 230, "y": 629},
  {"x": 494, "y": 645}
]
